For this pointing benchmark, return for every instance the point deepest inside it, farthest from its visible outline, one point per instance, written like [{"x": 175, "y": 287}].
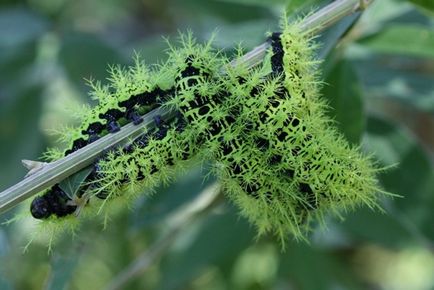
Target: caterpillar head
[{"x": 54, "y": 202}]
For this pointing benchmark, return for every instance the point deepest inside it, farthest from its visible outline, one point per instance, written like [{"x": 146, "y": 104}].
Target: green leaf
[
  {"x": 150, "y": 48},
  {"x": 397, "y": 78},
  {"x": 62, "y": 271},
  {"x": 72, "y": 184},
  {"x": 20, "y": 136},
  {"x": 249, "y": 34},
  {"x": 411, "y": 40},
  {"x": 4, "y": 248},
  {"x": 427, "y": 4},
  {"x": 200, "y": 11},
  {"x": 393, "y": 145},
  {"x": 256, "y": 2},
  {"x": 86, "y": 56},
  {"x": 4, "y": 284},
  {"x": 331, "y": 36},
  {"x": 368, "y": 226},
  {"x": 303, "y": 5},
  {"x": 310, "y": 267},
  {"x": 16, "y": 68},
  {"x": 215, "y": 241},
  {"x": 343, "y": 91},
  {"x": 19, "y": 26},
  {"x": 155, "y": 208},
  {"x": 406, "y": 219},
  {"x": 381, "y": 12}
]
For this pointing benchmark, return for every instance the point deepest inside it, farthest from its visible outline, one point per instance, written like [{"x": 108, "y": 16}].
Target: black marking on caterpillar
[{"x": 278, "y": 53}]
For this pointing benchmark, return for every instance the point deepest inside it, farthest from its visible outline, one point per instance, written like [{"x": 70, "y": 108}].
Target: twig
[
  {"x": 61, "y": 169},
  {"x": 205, "y": 201}
]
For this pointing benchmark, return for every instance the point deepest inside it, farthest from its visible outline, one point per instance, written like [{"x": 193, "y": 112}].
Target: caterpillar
[
  {"x": 180, "y": 68},
  {"x": 135, "y": 92},
  {"x": 301, "y": 167},
  {"x": 277, "y": 154}
]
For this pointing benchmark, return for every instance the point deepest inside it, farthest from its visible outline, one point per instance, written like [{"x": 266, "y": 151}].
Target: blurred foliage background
[{"x": 379, "y": 81}]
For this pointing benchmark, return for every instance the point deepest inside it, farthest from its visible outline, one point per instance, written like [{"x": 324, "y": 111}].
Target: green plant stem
[
  {"x": 57, "y": 171},
  {"x": 315, "y": 23},
  {"x": 208, "y": 199}
]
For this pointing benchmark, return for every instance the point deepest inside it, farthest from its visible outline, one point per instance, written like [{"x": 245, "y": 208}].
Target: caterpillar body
[
  {"x": 134, "y": 93},
  {"x": 277, "y": 154},
  {"x": 182, "y": 69},
  {"x": 153, "y": 161}
]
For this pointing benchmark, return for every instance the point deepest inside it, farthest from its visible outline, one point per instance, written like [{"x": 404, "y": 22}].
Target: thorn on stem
[{"x": 33, "y": 166}]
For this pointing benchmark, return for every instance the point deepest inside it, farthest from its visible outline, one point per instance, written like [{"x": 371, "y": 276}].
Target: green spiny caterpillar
[
  {"x": 277, "y": 154},
  {"x": 182, "y": 69}
]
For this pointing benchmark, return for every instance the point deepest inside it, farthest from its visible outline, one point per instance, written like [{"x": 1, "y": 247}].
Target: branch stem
[
  {"x": 57, "y": 171},
  {"x": 208, "y": 199}
]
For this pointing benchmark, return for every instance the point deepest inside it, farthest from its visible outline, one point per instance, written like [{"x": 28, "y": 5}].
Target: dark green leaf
[
  {"x": 4, "y": 284},
  {"x": 309, "y": 267},
  {"x": 151, "y": 49},
  {"x": 155, "y": 208},
  {"x": 86, "y": 56},
  {"x": 4, "y": 247},
  {"x": 413, "y": 177},
  {"x": 297, "y": 6},
  {"x": 407, "y": 80},
  {"x": 343, "y": 91},
  {"x": 217, "y": 242},
  {"x": 19, "y": 26},
  {"x": 250, "y": 34},
  {"x": 256, "y": 2},
  {"x": 368, "y": 226},
  {"x": 427, "y": 4},
  {"x": 72, "y": 184},
  {"x": 20, "y": 136},
  {"x": 331, "y": 36},
  {"x": 16, "y": 66},
  {"x": 412, "y": 40},
  {"x": 196, "y": 11},
  {"x": 406, "y": 218},
  {"x": 414, "y": 170},
  {"x": 62, "y": 271}
]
